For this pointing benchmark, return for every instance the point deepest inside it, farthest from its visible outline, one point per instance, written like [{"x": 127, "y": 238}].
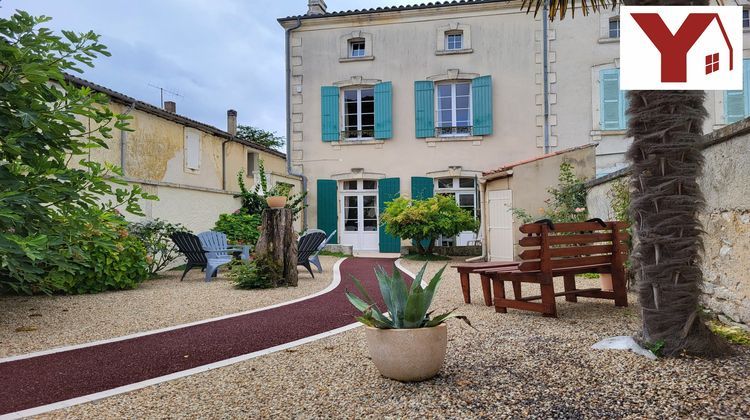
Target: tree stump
[{"x": 278, "y": 239}]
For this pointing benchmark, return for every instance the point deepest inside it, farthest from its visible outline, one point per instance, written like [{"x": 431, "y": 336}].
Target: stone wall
[{"x": 726, "y": 220}]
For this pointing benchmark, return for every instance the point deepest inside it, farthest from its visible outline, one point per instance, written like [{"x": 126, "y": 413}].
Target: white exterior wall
[{"x": 404, "y": 49}]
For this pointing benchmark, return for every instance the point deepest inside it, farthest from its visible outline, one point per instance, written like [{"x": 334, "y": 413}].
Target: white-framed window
[
  {"x": 454, "y": 40},
  {"x": 357, "y": 48},
  {"x": 453, "y": 108},
  {"x": 192, "y": 149},
  {"x": 251, "y": 159},
  {"x": 614, "y": 27},
  {"x": 463, "y": 190},
  {"x": 359, "y": 113}
]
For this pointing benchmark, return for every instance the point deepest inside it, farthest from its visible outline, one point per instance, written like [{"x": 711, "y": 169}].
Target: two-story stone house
[{"x": 418, "y": 100}]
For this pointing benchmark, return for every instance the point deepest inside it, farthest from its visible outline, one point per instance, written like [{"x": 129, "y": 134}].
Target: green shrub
[
  {"x": 426, "y": 220},
  {"x": 261, "y": 273},
  {"x": 254, "y": 201},
  {"x": 101, "y": 256},
  {"x": 240, "y": 227},
  {"x": 155, "y": 237}
]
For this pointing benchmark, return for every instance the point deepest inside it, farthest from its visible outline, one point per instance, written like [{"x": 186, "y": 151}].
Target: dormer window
[
  {"x": 614, "y": 27},
  {"x": 454, "y": 40},
  {"x": 357, "y": 48}
]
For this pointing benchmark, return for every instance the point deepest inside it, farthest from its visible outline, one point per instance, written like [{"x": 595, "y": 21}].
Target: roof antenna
[{"x": 161, "y": 93}]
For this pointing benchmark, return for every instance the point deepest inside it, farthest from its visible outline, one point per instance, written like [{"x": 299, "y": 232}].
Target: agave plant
[{"x": 407, "y": 305}]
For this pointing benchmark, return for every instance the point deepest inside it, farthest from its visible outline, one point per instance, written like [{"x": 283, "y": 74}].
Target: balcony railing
[
  {"x": 453, "y": 131},
  {"x": 367, "y": 133}
]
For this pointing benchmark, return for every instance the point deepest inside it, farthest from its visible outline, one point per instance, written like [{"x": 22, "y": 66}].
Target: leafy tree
[
  {"x": 50, "y": 191},
  {"x": 426, "y": 219},
  {"x": 667, "y": 128},
  {"x": 265, "y": 138}
]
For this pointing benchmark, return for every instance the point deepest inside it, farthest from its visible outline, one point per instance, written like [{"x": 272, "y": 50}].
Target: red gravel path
[{"x": 46, "y": 379}]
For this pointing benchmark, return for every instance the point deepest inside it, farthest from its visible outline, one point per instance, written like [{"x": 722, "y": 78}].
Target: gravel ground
[
  {"x": 515, "y": 364},
  {"x": 66, "y": 320}
]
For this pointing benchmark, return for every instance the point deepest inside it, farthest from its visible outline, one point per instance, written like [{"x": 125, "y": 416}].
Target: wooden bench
[
  {"x": 465, "y": 269},
  {"x": 571, "y": 249}
]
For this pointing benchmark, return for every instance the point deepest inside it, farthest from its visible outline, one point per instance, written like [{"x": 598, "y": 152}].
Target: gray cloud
[{"x": 218, "y": 54}]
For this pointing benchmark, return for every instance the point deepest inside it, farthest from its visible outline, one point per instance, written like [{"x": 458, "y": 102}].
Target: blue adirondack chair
[
  {"x": 314, "y": 260},
  {"x": 191, "y": 246},
  {"x": 307, "y": 246},
  {"x": 218, "y": 251}
]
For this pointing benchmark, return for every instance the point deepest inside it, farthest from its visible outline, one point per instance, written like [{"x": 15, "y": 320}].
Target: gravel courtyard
[
  {"x": 57, "y": 321},
  {"x": 515, "y": 364}
]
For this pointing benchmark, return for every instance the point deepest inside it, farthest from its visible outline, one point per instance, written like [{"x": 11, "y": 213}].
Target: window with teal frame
[
  {"x": 737, "y": 102},
  {"x": 612, "y": 103}
]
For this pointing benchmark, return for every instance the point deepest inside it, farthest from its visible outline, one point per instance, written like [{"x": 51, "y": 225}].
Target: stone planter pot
[
  {"x": 606, "y": 282},
  {"x": 408, "y": 355},
  {"x": 276, "y": 201}
]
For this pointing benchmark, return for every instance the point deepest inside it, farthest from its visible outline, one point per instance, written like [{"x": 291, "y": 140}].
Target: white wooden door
[
  {"x": 500, "y": 224},
  {"x": 360, "y": 222}
]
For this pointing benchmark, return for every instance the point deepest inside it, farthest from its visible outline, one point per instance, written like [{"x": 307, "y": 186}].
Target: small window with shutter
[
  {"x": 612, "y": 104},
  {"x": 250, "y": 164},
  {"x": 737, "y": 102},
  {"x": 192, "y": 149}
]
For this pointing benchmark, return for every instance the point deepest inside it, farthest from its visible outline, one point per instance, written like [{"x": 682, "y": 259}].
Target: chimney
[
  {"x": 316, "y": 7},
  {"x": 232, "y": 122},
  {"x": 170, "y": 106}
]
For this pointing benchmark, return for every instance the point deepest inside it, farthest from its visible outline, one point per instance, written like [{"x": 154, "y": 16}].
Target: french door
[{"x": 360, "y": 217}]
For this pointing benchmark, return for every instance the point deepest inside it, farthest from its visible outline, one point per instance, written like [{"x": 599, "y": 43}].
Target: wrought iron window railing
[
  {"x": 367, "y": 133},
  {"x": 453, "y": 131}
]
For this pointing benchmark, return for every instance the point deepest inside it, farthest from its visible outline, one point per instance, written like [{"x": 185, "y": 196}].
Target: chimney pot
[
  {"x": 170, "y": 106},
  {"x": 316, "y": 7},
  {"x": 232, "y": 122}
]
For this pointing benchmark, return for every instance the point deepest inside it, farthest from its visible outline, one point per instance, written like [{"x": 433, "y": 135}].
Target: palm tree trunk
[{"x": 667, "y": 130}]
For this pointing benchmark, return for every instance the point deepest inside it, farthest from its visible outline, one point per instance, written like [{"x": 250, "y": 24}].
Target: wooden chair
[{"x": 571, "y": 249}]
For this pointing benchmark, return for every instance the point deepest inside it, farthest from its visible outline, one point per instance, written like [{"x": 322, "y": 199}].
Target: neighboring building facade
[
  {"x": 192, "y": 167},
  {"x": 418, "y": 100}
]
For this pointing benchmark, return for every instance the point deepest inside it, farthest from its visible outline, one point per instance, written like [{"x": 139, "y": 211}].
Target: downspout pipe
[
  {"x": 124, "y": 141},
  {"x": 289, "y": 169},
  {"x": 545, "y": 73}
]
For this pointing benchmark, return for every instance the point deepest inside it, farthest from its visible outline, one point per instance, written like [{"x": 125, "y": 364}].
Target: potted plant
[
  {"x": 277, "y": 195},
  {"x": 406, "y": 343}
]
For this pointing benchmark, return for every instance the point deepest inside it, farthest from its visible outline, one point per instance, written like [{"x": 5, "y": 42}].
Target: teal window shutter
[
  {"x": 327, "y": 207},
  {"x": 329, "y": 113},
  {"x": 383, "y": 110},
  {"x": 424, "y": 108},
  {"x": 421, "y": 187},
  {"x": 481, "y": 98},
  {"x": 388, "y": 189},
  {"x": 612, "y": 105},
  {"x": 736, "y": 106}
]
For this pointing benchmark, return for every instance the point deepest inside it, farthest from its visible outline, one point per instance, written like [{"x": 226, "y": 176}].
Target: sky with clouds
[{"x": 217, "y": 54}]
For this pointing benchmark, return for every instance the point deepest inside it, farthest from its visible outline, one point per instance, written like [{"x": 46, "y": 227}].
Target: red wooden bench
[
  {"x": 465, "y": 269},
  {"x": 571, "y": 249}
]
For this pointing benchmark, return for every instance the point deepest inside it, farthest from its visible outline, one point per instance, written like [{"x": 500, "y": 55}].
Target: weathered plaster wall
[
  {"x": 726, "y": 220},
  {"x": 155, "y": 159}
]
